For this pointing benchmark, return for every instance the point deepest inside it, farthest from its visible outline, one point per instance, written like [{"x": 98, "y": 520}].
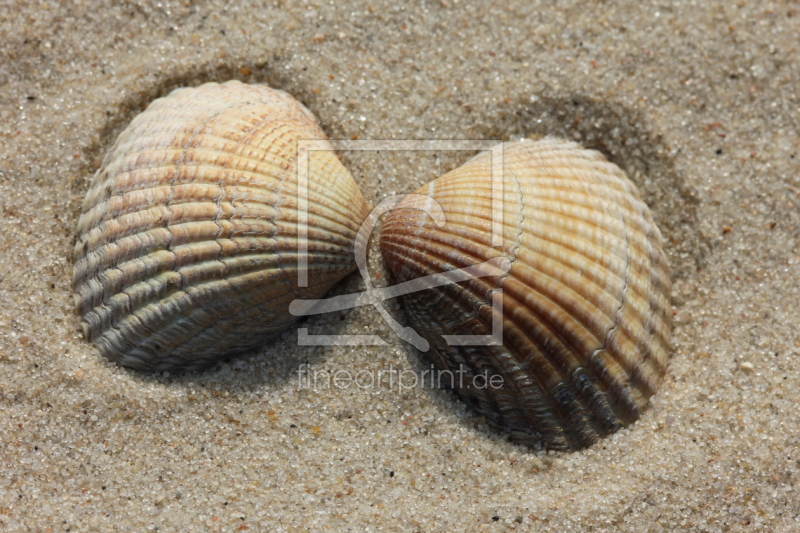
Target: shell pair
[{"x": 187, "y": 252}]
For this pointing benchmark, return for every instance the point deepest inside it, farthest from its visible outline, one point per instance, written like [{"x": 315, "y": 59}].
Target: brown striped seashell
[
  {"x": 584, "y": 309},
  {"x": 187, "y": 248}
]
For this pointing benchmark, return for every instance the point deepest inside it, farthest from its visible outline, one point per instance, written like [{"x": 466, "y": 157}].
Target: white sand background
[{"x": 697, "y": 101}]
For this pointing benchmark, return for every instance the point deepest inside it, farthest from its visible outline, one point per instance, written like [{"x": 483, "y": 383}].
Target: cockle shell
[
  {"x": 585, "y": 305},
  {"x": 187, "y": 247}
]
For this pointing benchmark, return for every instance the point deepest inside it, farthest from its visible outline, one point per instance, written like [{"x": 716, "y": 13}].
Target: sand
[{"x": 697, "y": 101}]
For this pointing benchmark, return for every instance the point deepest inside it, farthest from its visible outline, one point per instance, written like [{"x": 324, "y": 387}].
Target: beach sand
[{"x": 697, "y": 101}]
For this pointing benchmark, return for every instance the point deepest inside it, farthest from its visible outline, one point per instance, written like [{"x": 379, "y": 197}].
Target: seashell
[
  {"x": 187, "y": 248},
  {"x": 584, "y": 310}
]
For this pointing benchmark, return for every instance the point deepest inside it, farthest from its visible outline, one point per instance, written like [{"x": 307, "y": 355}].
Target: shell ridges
[
  {"x": 586, "y": 313},
  {"x": 187, "y": 245}
]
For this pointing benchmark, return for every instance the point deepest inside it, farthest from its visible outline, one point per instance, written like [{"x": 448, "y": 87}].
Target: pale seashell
[
  {"x": 187, "y": 245},
  {"x": 585, "y": 306}
]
